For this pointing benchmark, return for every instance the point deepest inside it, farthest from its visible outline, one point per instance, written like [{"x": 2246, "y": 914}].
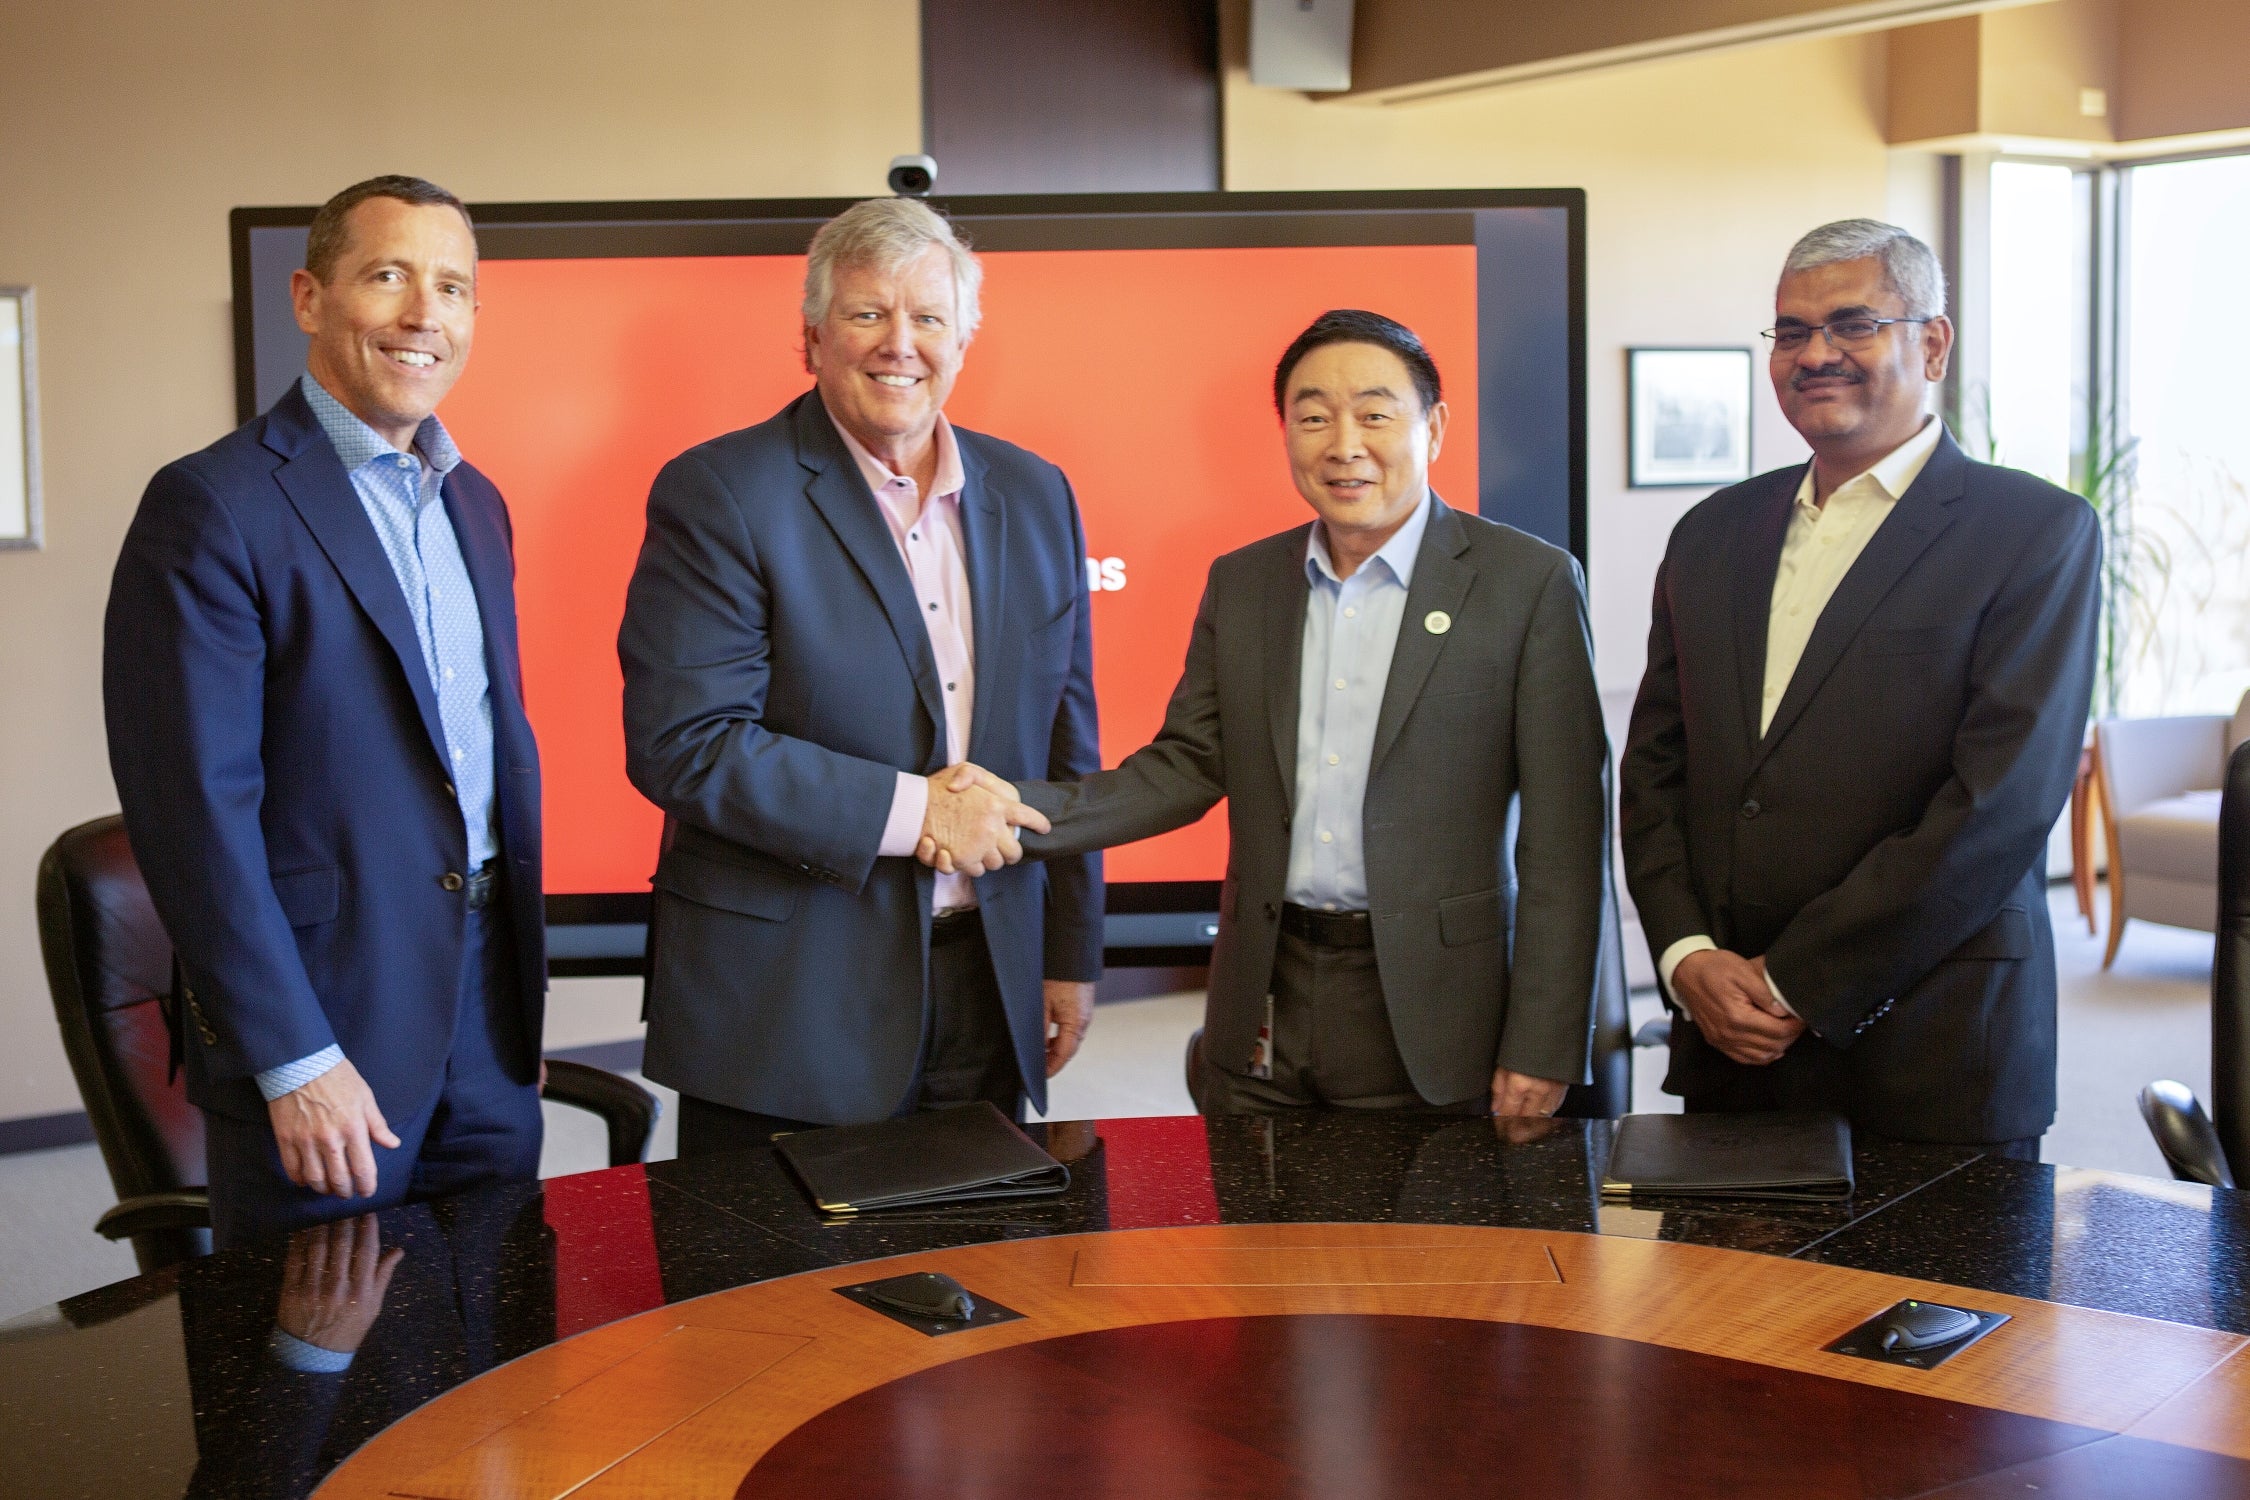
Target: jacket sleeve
[
  {"x": 1073, "y": 928},
  {"x": 1653, "y": 790},
  {"x": 697, "y": 660},
  {"x": 1166, "y": 784},
  {"x": 1562, "y": 838},
  {"x": 183, "y": 693},
  {"x": 1919, "y": 894}
]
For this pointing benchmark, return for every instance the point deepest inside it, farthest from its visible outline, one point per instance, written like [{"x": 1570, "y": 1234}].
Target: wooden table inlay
[
  {"x": 1460, "y": 1358},
  {"x": 1345, "y": 1407}
]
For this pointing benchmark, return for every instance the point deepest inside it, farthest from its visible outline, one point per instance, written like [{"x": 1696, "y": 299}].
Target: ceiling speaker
[{"x": 1301, "y": 44}]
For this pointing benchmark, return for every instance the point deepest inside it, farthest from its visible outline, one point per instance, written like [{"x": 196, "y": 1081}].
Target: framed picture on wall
[
  {"x": 19, "y": 422},
  {"x": 1688, "y": 416}
]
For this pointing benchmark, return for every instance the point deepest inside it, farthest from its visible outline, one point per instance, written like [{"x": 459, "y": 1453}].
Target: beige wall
[
  {"x": 2184, "y": 67},
  {"x": 128, "y": 128},
  {"x": 1699, "y": 174}
]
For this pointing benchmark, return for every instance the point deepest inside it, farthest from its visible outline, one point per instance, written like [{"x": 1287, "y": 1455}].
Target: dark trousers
[
  {"x": 1332, "y": 1043},
  {"x": 482, "y": 1126},
  {"x": 967, "y": 1053}
]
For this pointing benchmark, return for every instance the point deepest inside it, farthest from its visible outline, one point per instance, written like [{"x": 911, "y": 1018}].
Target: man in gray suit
[{"x": 1371, "y": 693}]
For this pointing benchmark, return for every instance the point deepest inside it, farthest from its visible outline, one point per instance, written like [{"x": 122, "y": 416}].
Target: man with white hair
[
  {"x": 830, "y": 610},
  {"x": 1867, "y": 686}
]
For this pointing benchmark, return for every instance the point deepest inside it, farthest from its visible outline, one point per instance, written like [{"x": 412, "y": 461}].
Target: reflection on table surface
[{"x": 254, "y": 1372}]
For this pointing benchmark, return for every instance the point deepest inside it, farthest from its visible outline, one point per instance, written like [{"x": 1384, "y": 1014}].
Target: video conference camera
[{"x": 913, "y": 176}]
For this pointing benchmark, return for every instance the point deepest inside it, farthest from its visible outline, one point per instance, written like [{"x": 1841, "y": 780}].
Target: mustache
[{"x": 1837, "y": 371}]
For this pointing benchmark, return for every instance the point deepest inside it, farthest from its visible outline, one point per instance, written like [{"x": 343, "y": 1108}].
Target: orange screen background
[{"x": 1145, "y": 374}]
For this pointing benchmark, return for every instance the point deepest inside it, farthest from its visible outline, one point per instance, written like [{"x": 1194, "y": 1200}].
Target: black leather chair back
[
  {"x": 109, "y": 969},
  {"x": 2230, "y": 972}
]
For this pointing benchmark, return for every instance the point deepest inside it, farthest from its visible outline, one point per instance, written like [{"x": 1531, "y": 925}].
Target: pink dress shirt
[{"x": 931, "y": 542}]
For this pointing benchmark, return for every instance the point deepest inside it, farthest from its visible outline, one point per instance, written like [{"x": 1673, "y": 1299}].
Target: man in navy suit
[
  {"x": 830, "y": 609},
  {"x": 1866, "y": 692},
  {"x": 316, "y": 723}
]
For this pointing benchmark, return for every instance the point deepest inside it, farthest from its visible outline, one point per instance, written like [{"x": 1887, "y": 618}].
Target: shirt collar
[
  {"x": 358, "y": 444},
  {"x": 1895, "y": 472},
  {"x": 1397, "y": 554},
  {"x": 949, "y": 480}
]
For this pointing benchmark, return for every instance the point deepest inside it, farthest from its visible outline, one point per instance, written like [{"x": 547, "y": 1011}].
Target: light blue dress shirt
[
  {"x": 401, "y": 494},
  {"x": 1351, "y": 629}
]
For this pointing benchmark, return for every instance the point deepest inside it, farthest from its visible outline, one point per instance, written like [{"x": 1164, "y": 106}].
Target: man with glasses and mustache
[{"x": 1867, "y": 685}]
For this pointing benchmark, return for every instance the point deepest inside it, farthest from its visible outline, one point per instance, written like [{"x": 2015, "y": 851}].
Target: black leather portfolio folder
[
  {"x": 938, "y": 1156},
  {"x": 1805, "y": 1157}
]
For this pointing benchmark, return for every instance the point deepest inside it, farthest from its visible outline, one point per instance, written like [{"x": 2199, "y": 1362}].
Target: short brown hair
[{"x": 331, "y": 234}]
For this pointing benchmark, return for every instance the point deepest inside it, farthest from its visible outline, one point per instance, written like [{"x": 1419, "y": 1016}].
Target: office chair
[
  {"x": 109, "y": 970},
  {"x": 2197, "y": 1147}
]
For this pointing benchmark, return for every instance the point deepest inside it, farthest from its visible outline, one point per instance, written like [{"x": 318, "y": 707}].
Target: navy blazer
[
  {"x": 1883, "y": 842},
  {"x": 278, "y": 753},
  {"x": 778, "y": 677}
]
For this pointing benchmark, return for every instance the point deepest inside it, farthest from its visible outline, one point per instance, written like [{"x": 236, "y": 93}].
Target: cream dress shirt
[{"x": 1820, "y": 547}]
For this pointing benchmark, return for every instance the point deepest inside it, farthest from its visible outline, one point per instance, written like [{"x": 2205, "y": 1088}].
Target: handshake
[{"x": 970, "y": 827}]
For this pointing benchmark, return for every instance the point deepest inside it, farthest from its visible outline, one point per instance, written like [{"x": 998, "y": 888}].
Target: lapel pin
[{"x": 1437, "y": 622}]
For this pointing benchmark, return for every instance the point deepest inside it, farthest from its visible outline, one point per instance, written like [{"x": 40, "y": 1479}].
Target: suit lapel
[
  {"x": 1756, "y": 561},
  {"x": 1283, "y": 639},
  {"x": 839, "y": 493},
  {"x": 1914, "y": 522},
  {"x": 314, "y": 480},
  {"x": 1441, "y": 582},
  {"x": 984, "y": 530}
]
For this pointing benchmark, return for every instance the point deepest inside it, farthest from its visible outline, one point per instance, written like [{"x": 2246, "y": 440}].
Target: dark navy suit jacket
[
  {"x": 278, "y": 752},
  {"x": 1883, "y": 842},
  {"x": 778, "y": 677}
]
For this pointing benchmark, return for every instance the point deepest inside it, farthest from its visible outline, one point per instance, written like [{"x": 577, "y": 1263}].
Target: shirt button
[
  {"x": 933, "y": 606},
  {"x": 1351, "y": 614},
  {"x": 1326, "y": 837},
  {"x": 1339, "y": 684},
  {"x": 1334, "y": 758},
  {"x": 949, "y": 687},
  {"x": 457, "y": 757},
  {"x": 448, "y": 674}
]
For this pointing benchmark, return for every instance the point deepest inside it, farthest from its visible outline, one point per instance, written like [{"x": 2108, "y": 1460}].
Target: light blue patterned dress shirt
[
  {"x": 401, "y": 494},
  {"x": 1351, "y": 629}
]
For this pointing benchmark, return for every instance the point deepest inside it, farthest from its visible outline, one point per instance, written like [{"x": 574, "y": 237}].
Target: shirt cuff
[
  {"x": 1779, "y": 999},
  {"x": 910, "y": 803},
  {"x": 1700, "y": 943},
  {"x": 307, "y": 1359},
  {"x": 290, "y": 1077}
]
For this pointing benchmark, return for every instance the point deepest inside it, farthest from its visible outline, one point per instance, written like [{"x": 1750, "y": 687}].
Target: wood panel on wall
[{"x": 1027, "y": 96}]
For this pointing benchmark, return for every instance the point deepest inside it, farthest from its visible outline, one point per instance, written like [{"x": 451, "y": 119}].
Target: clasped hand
[
  {"x": 1727, "y": 997},
  {"x": 970, "y": 827}
]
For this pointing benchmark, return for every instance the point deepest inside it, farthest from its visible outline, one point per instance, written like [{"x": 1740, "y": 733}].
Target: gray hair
[
  {"x": 886, "y": 233},
  {"x": 1909, "y": 266}
]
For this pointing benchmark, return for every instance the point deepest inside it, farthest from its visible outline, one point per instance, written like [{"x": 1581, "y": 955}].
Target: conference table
[{"x": 1301, "y": 1305}]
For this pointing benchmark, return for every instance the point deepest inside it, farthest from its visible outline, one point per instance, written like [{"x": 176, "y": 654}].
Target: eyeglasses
[{"x": 1844, "y": 333}]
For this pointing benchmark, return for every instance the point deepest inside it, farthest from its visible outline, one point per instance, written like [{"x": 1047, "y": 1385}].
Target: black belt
[
  {"x": 482, "y": 887},
  {"x": 955, "y": 926},
  {"x": 1330, "y": 929}
]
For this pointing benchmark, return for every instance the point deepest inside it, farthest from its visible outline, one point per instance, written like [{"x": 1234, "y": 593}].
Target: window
[{"x": 2187, "y": 409}]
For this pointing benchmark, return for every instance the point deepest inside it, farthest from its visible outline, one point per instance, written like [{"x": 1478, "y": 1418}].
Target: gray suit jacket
[{"x": 1502, "y": 703}]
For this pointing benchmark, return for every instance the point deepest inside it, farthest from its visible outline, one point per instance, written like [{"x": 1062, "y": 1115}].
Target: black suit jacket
[{"x": 1882, "y": 843}]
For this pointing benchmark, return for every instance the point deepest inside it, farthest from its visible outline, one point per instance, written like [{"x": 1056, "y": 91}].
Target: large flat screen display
[{"x": 1131, "y": 340}]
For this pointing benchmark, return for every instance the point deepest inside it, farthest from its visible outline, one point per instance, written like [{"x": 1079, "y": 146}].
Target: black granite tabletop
[{"x": 174, "y": 1383}]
